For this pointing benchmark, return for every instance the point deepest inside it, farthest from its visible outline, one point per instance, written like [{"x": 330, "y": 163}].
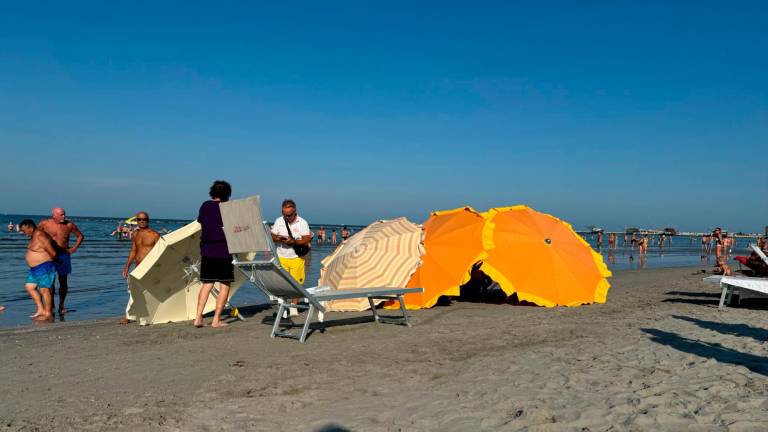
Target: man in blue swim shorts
[
  {"x": 40, "y": 258},
  {"x": 60, "y": 229}
]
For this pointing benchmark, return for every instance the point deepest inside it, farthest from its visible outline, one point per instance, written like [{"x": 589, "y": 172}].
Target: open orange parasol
[
  {"x": 542, "y": 259},
  {"x": 453, "y": 241}
]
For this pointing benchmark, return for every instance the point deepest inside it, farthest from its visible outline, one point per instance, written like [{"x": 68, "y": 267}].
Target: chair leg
[
  {"x": 373, "y": 309},
  {"x": 403, "y": 310},
  {"x": 306, "y": 323},
  {"x": 722, "y": 296},
  {"x": 276, "y": 325}
]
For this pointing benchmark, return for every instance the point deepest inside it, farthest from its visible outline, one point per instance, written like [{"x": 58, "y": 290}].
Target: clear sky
[{"x": 610, "y": 113}]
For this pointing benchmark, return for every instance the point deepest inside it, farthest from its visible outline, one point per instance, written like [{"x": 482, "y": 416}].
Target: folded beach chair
[
  {"x": 737, "y": 285},
  {"x": 246, "y": 231}
]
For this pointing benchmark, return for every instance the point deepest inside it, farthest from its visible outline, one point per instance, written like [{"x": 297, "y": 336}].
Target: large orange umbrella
[
  {"x": 453, "y": 241},
  {"x": 542, "y": 259}
]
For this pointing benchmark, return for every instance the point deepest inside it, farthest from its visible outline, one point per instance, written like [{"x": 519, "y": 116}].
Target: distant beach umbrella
[
  {"x": 164, "y": 287},
  {"x": 542, "y": 259},
  {"x": 383, "y": 254},
  {"x": 453, "y": 241}
]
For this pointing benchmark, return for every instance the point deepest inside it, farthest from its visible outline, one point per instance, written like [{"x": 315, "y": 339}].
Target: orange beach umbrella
[
  {"x": 453, "y": 241},
  {"x": 542, "y": 259}
]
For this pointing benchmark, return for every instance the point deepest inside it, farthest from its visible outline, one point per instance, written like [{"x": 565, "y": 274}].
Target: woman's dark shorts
[{"x": 216, "y": 270}]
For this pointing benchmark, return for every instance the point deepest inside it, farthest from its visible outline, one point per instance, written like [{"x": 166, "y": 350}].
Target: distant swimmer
[
  {"x": 599, "y": 239},
  {"x": 333, "y": 237},
  {"x": 40, "y": 258},
  {"x": 643, "y": 245},
  {"x": 60, "y": 229},
  {"x": 717, "y": 235},
  {"x": 344, "y": 233},
  {"x": 143, "y": 242},
  {"x": 10, "y": 226}
]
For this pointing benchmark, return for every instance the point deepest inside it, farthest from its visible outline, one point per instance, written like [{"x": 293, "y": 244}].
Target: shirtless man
[
  {"x": 59, "y": 228},
  {"x": 40, "y": 258},
  {"x": 143, "y": 242}
]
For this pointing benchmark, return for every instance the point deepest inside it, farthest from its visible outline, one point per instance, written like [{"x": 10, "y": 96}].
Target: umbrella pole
[{"x": 233, "y": 310}]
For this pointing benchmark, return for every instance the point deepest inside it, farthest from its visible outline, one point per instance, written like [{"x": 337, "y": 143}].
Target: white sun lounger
[
  {"x": 736, "y": 284},
  {"x": 247, "y": 232}
]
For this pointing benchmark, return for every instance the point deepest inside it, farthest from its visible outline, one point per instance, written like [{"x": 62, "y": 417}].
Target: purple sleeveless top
[{"x": 212, "y": 241}]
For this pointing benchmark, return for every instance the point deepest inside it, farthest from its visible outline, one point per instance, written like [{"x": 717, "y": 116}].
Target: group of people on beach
[
  {"x": 48, "y": 253},
  {"x": 48, "y": 256},
  {"x": 322, "y": 235},
  {"x": 290, "y": 232}
]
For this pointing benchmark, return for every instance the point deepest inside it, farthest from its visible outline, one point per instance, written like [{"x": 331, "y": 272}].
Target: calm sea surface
[{"x": 97, "y": 290}]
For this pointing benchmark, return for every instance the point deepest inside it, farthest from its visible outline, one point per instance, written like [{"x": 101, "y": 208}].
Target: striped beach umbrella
[
  {"x": 383, "y": 254},
  {"x": 542, "y": 259}
]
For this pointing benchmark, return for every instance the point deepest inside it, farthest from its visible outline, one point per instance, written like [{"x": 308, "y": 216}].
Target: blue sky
[{"x": 608, "y": 113}]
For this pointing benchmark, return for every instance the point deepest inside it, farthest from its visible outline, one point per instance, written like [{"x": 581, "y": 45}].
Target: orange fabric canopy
[
  {"x": 453, "y": 241},
  {"x": 542, "y": 259}
]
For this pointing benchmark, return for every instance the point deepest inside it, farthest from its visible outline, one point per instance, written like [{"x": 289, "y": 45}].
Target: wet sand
[{"x": 657, "y": 356}]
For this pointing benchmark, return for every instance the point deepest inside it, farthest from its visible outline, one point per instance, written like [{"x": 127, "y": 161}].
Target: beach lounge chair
[
  {"x": 737, "y": 285},
  {"x": 246, "y": 231}
]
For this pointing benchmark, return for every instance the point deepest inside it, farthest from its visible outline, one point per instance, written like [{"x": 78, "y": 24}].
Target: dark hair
[
  {"x": 28, "y": 222},
  {"x": 221, "y": 190},
  {"x": 288, "y": 203}
]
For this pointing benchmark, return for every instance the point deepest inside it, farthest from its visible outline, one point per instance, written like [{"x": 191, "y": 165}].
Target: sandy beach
[{"x": 657, "y": 356}]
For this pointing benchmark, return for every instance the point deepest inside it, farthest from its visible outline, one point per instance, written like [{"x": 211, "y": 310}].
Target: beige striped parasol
[{"x": 383, "y": 254}]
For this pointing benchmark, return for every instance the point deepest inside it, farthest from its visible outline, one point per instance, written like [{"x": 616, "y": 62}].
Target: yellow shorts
[{"x": 294, "y": 267}]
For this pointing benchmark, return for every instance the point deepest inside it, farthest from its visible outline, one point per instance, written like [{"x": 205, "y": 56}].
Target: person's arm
[
  {"x": 276, "y": 237},
  {"x": 47, "y": 242},
  {"x": 306, "y": 236},
  {"x": 131, "y": 257},
  {"x": 79, "y": 237}
]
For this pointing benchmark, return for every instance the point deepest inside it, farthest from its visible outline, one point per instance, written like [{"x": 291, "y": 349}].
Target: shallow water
[{"x": 97, "y": 289}]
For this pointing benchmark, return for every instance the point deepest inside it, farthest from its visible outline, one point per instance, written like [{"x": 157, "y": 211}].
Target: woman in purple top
[{"x": 216, "y": 263}]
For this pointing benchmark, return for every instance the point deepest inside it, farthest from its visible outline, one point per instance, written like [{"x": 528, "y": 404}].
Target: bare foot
[
  {"x": 199, "y": 323},
  {"x": 44, "y": 318},
  {"x": 124, "y": 321},
  {"x": 219, "y": 324},
  {"x": 2, "y": 308},
  {"x": 37, "y": 314}
]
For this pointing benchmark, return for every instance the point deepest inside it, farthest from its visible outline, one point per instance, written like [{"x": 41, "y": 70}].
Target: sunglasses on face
[{"x": 142, "y": 219}]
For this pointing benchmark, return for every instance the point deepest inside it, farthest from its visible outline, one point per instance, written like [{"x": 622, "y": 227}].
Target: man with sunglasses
[
  {"x": 143, "y": 241},
  {"x": 290, "y": 230}
]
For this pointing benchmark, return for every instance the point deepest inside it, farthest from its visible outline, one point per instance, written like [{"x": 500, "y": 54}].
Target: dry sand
[{"x": 657, "y": 356}]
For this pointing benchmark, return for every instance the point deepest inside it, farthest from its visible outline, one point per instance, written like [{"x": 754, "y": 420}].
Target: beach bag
[{"x": 301, "y": 250}]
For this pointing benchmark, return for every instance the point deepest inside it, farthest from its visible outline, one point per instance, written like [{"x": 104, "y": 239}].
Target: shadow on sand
[
  {"x": 741, "y": 330},
  {"x": 715, "y": 351}
]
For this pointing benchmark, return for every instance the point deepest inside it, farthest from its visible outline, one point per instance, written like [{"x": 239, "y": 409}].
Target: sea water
[{"x": 97, "y": 289}]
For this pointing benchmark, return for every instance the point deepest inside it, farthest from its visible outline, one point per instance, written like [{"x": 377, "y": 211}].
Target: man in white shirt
[{"x": 299, "y": 235}]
